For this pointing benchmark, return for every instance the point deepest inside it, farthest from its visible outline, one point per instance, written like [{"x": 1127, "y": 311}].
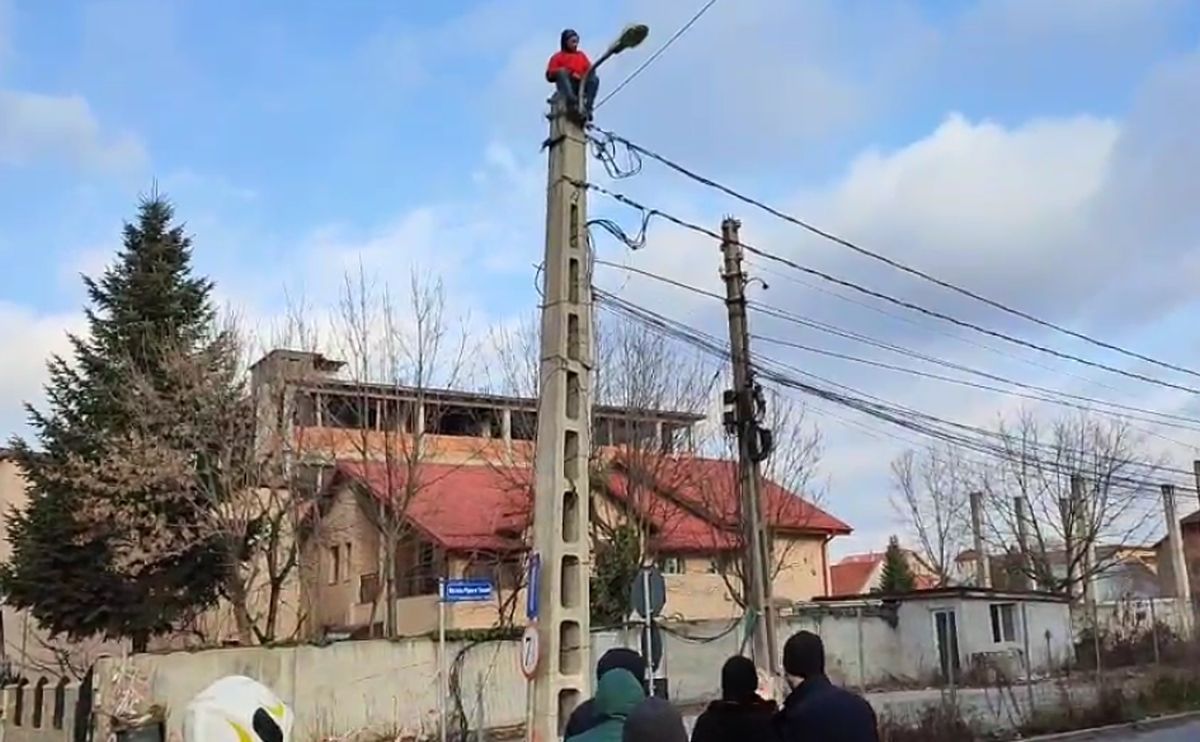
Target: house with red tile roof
[
  {"x": 859, "y": 574},
  {"x": 460, "y": 507}
]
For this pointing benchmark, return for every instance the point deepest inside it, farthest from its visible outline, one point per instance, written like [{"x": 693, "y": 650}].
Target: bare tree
[
  {"x": 398, "y": 358},
  {"x": 647, "y": 392},
  {"x": 790, "y": 490},
  {"x": 191, "y": 440},
  {"x": 1115, "y": 507},
  {"x": 931, "y": 495}
]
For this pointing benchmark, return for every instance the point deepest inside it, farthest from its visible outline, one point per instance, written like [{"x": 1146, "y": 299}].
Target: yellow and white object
[{"x": 237, "y": 709}]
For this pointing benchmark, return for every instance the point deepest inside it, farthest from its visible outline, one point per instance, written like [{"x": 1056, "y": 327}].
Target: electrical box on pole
[
  {"x": 562, "y": 678},
  {"x": 744, "y": 409}
]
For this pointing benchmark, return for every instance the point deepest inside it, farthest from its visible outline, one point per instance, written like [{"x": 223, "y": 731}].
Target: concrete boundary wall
[
  {"x": 392, "y": 686},
  {"x": 336, "y": 690},
  {"x": 42, "y": 711}
]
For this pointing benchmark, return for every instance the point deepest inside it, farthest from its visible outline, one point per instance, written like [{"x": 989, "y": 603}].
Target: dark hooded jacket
[
  {"x": 575, "y": 62},
  {"x": 819, "y": 711},
  {"x": 617, "y": 695},
  {"x": 584, "y": 717},
  {"x": 655, "y": 720},
  {"x": 736, "y": 721}
]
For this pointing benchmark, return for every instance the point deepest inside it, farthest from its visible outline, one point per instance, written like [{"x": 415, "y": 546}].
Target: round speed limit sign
[{"x": 531, "y": 651}]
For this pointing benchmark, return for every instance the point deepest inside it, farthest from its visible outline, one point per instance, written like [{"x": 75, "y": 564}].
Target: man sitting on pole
[{"x": 567, "y": 69}]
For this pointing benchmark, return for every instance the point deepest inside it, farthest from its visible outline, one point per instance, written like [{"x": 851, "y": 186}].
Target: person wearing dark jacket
[
  {"x": 584, "y": 717},
  {"x": 817, "y": 710},
  {"x": 567, "y": 69},
  {"x": 617, "y": 695},
  {"x": 655, "y": 720},
  {"x": 741, "y": 715}
]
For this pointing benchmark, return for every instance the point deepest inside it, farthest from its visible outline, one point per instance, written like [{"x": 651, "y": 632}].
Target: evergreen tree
[
  {"x": 77, "y": 576},
  {"x": 897, "y": 575},
  {"x": 616, "y": 563}
]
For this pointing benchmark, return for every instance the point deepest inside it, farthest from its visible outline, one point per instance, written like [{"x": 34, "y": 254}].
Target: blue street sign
[
  {"x": 533, "y": 586},
  {"x": 466, "y": 591}
]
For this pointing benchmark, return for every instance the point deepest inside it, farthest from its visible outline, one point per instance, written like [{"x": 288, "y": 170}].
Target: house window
[
  {"x": 346, "y": 565},
  {"x": 671, "y": 565},
  {"x": 368, "y": 587},
  {"x": 1004, "y": 622},
  {"x": 335, "y": 564}
]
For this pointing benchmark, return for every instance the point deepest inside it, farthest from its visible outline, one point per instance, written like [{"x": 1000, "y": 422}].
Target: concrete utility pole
[
  {"x": 560, "y": 519},
  {"x": 1196, "y": 471},
  {"x": 562, "y": 677},
  {"x": 1085, "y": 536},
  {"x": 1020, "y": 507},
  {"x": 983, "y": 566},
  {"x": 752, "y": 448},
  {"x": 1183, "y": 588}
]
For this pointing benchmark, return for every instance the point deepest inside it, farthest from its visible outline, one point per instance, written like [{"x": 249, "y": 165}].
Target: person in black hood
[
  {"x": 741, "y": 715},
  {"x": 567, "y": 69},
  {"x": 817, "y": 710},
  {"x": 655, "y": 720},
  {"x": 584, "y": 717}
]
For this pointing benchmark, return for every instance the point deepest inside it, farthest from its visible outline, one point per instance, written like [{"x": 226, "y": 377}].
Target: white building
[{"x": 956, "y": 634}]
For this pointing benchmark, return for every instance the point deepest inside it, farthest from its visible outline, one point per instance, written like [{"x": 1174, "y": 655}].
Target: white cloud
[
  {"x": 35, "y": 126},
  {"x": 30, "y": 338},
  {"x": 89, "y": 261}
]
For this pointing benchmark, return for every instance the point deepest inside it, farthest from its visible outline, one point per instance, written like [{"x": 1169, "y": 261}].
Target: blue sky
[{"x": 1039, "y": 151}]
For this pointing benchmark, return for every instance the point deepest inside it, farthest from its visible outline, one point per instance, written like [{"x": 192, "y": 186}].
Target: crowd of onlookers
[{"x": 814, "y": 709}]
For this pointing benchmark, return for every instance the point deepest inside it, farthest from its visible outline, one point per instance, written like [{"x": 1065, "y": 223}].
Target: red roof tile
[
  {"x": 462, "y": 508},
  {"x": 850, "y": 577},
  {"x": 675, "y": 528},
  {"x": 485, "y": 507},
  {"x": 710, "y": 486}
]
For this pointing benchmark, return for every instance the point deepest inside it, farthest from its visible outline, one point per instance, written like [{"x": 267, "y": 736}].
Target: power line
[
  {"x": 983, "y": 387},
  {"x": 891, "y": 261},
  {"x": 1007, "y": 355},
  {"x": 888, "y": 297},
  {"x": 909, "y": 353},
  {"x": 658, "y": 53},
  {"x": 965, "y": 436},
  {"x": 1170, "y": 420}
]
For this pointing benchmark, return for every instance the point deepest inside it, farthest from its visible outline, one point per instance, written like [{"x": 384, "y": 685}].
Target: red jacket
[{"x": 576, "y": 63}]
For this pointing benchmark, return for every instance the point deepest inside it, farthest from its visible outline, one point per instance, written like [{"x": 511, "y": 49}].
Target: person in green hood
[{"x": 617, "y": 694}]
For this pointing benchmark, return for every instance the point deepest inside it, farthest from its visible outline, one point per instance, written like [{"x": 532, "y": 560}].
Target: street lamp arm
[{"x": 631, "y": 36}]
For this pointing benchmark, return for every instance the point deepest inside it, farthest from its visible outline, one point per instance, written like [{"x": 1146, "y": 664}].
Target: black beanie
[
  {"x": 804, "y": 655},
  {"x": 621, "y": 658},
  {"x": 739, "y": 679},
  {"x": 566, "y": 34}
]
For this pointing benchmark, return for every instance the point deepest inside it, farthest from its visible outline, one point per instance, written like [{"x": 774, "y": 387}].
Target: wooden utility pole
[
  {"x": 560, "y": 526},
  {"x": 753, "y": 446}
]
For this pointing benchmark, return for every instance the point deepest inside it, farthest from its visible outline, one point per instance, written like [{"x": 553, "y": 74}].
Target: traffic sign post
[
  {"x": 647, "y": 596},
  {"x": 466, "y": 591},
  {"x": 531, "y": 651},
  {"x": 533, "y": 586},
  {"x": 454, "y": 591}
]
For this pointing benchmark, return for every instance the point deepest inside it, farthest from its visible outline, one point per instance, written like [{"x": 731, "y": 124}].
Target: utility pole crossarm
[{"x": 756, "y": 574}]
